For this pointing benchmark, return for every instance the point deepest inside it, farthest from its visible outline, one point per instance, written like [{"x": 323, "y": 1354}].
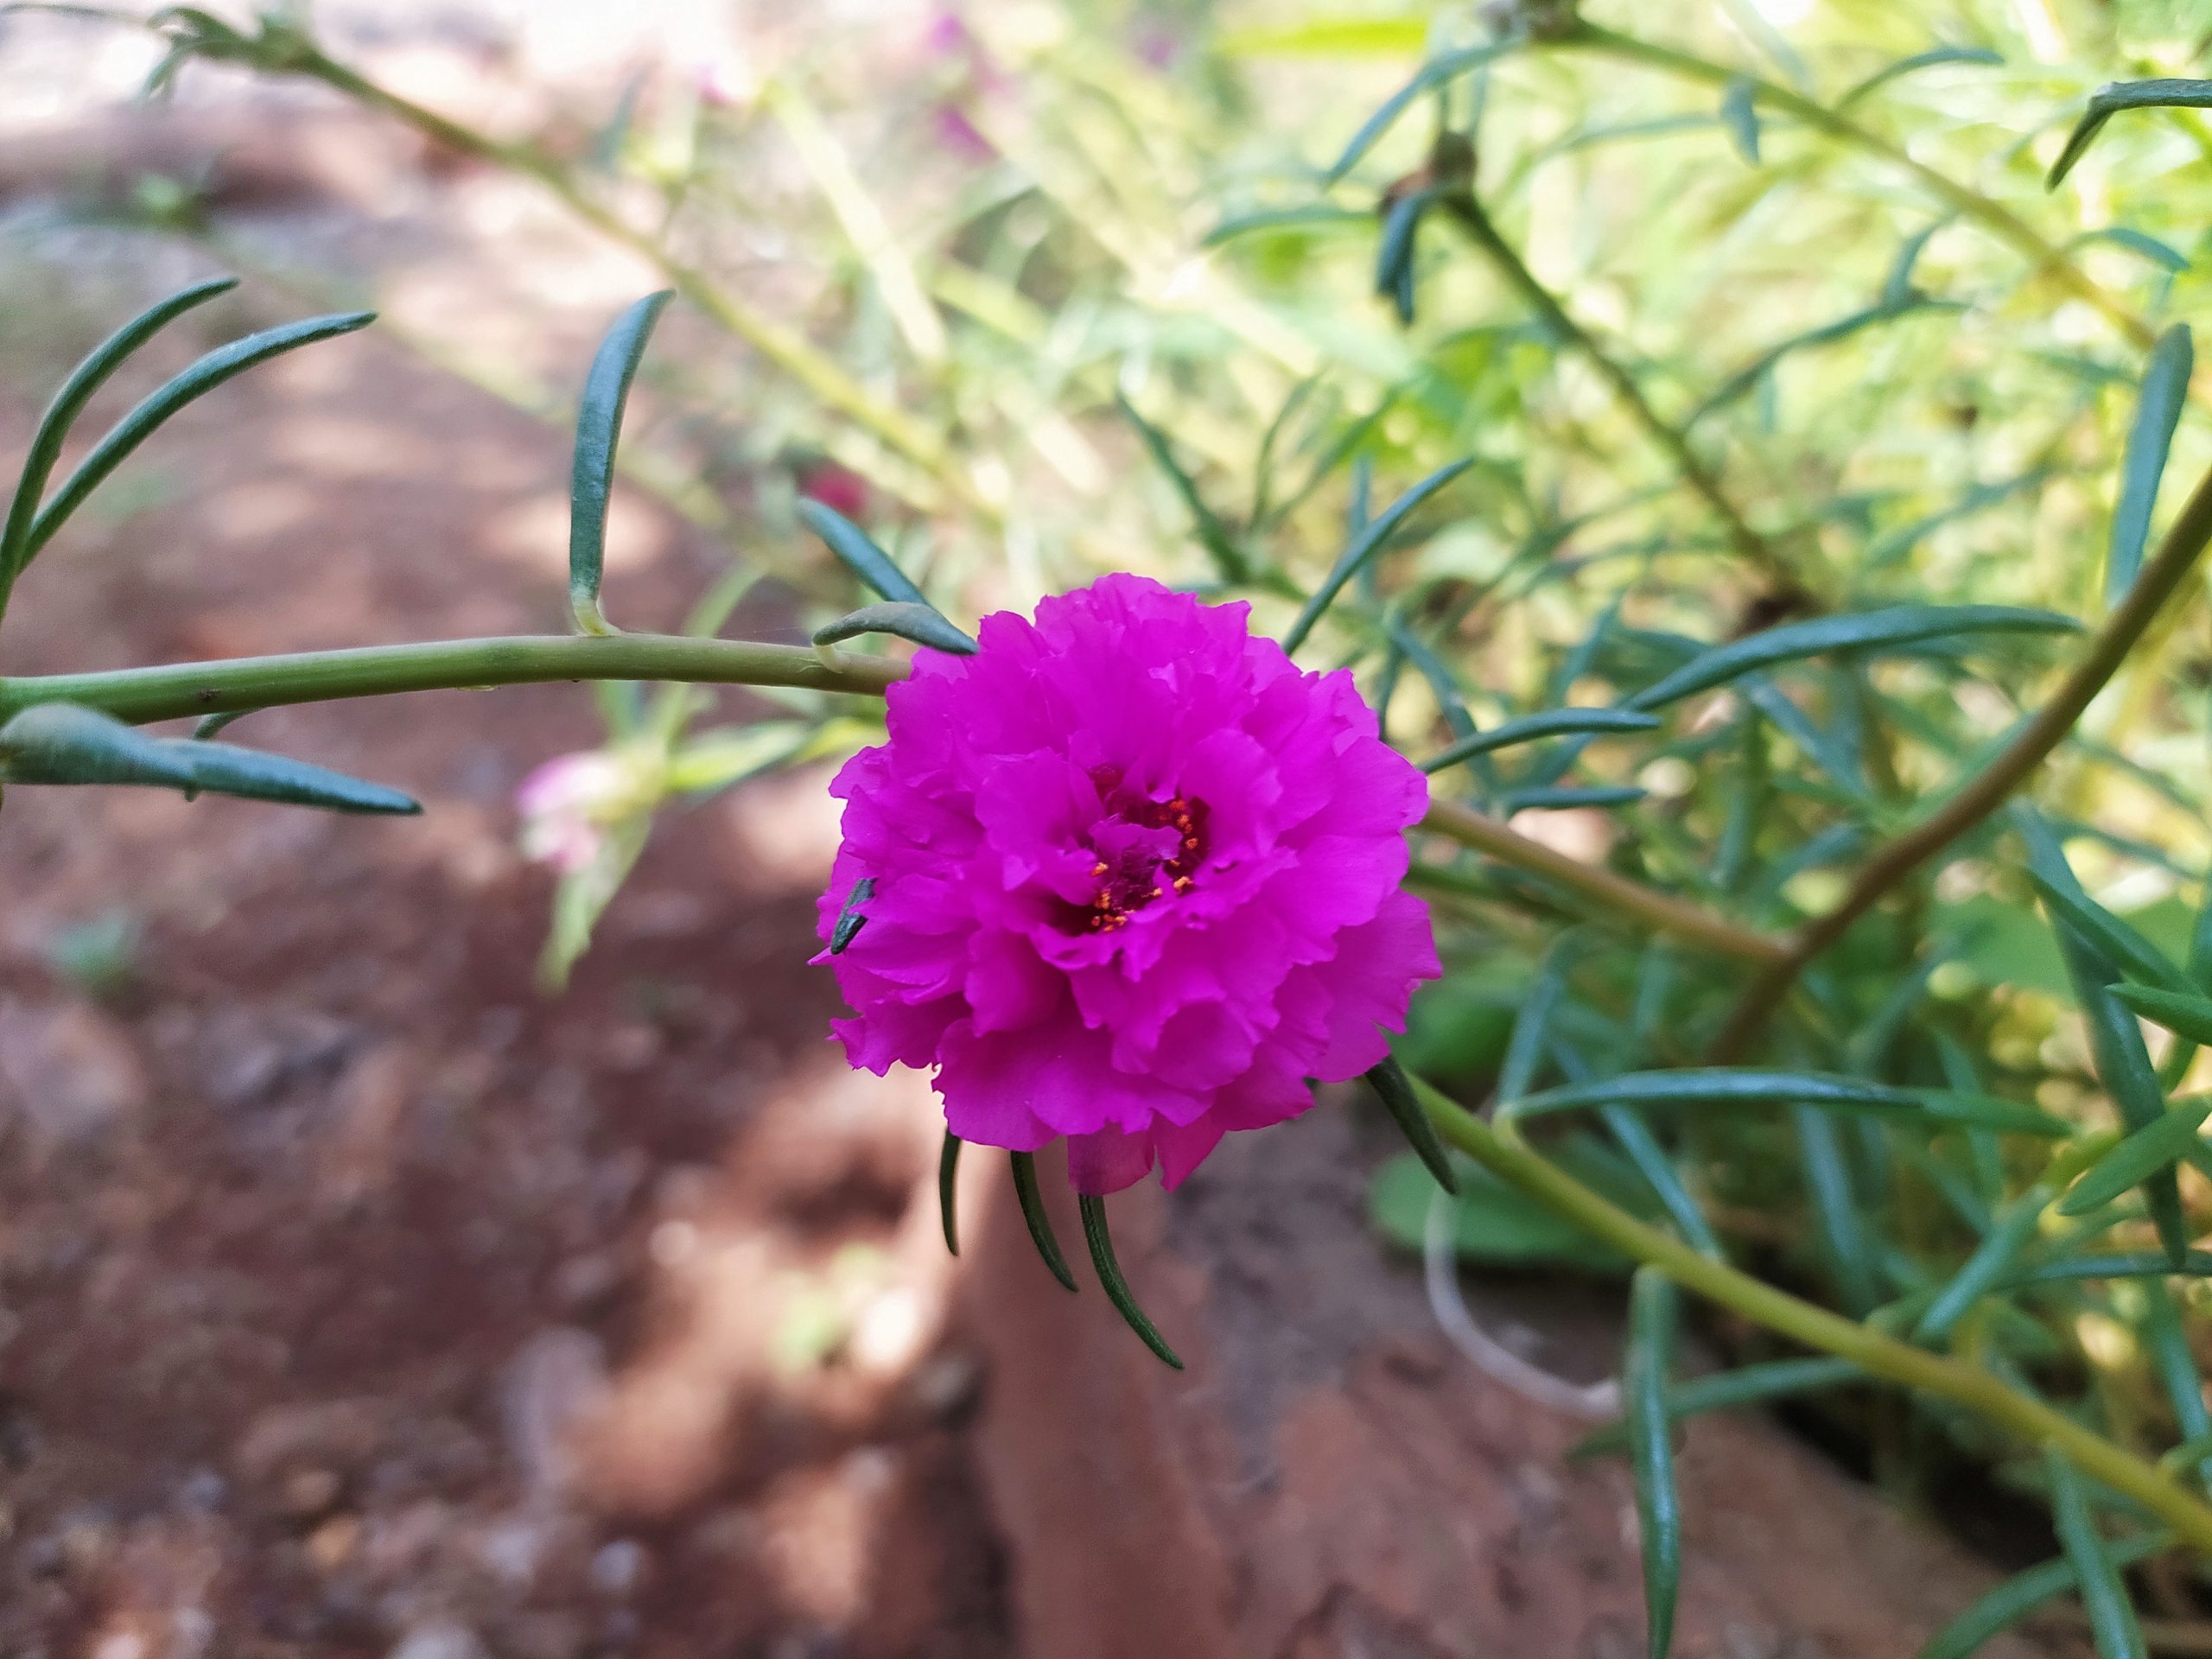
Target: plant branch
[
  {"x": 176, "y": 690},
  {"x": 179, "y": 691},
  {"x": 1989, "y": 789},
  {"x": 1753, "y": 547},
  {"x": 1501, "y": 1152},
  {"x": 785, "y": 347},
  {"x": 1663, "y": 913}
]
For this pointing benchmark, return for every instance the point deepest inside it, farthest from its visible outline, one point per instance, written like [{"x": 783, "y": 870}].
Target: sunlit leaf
[
  {"x": 87, "y": 377},
  {"x": 1918, "y": 61},
  {"x": 2156, "y": 1147},
  {"x": 2158, "y": 412},
  {"x": 598, "y": 429},
  {"x": 140, "y": 423}
]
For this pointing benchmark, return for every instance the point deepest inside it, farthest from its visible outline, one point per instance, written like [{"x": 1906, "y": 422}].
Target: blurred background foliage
[{"x": 1763, "y": 311}]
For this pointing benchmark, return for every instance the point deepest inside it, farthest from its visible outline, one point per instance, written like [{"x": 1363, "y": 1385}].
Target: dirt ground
[{"x": 357, "y": 1299}]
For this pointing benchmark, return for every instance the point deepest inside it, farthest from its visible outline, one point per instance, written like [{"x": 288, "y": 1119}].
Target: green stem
[
  {"x": 1660, "y": 913},
  {"x": 175, "y": 690},
  {"x": 1749, "y": 544},
  {"x": 1502, "y": 1152}
]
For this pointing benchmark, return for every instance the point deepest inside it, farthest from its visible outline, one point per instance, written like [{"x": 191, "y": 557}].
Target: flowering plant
[{"x": 1124, "y": 875}]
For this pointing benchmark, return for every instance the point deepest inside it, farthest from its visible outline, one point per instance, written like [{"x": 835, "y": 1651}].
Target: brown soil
[{"x": 357, "y": 1299}]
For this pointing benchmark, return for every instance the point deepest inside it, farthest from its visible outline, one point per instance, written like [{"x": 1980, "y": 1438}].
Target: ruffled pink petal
[{"x": 1136, "y": 881}]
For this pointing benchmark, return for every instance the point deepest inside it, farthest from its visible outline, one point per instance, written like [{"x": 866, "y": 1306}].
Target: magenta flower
[{"x": 1136, "y": 882}]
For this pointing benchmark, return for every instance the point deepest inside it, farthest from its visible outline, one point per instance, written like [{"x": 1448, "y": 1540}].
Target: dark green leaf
[
  {"x": 859, "y": 554},
  {"x": 1364, "y": 546},
  {"x": 61, "y": 743},
  {"x": 1035, "y": 1218},
  {"x": 599, "y": 428},
  {"x": 1928, "y": 59},
  {"x": 133, "y": 429},
  {"x": 1529, "y": 729},
  {"x": 2123, "y": 1065},
  {"x": 852, "y": 917},
  {"x": 1901, "y": 625},
  {"x": 1109, "y": 1276},
  {"x": 2158, "y": 412},
  {"x": 1567, "y": 800},
  {"x": 2185, "y": 1016},
  {"x": 2023, "y": 1592},
  {"x": 1228, "y": 558},
  {"x": 923, "y": 623},
  {"x": 947, "y": 1188},
  {"x": 1991, "y": 1261},
  {"x": 2176, "y": 1364},
  {"x": 2104, "y": 1597},
  {"x": 1970, "y": 1110},
  {"x": 1739, "y": 115},
  {"x": 2157, "y": 1146},
  {"x": 1836, "y": 1206},
  {"x": 2123, "y": 1264},
  {"x": 1747, "y": 1385},
  {"x": 2111, "y": 98},
  {"x": 1651, "y": 1452},
  {"x": 1436, "y": 72},
  {"x": 1726, "y": 1087},
  {"x": 1393, "y": 253},
  {"x": 1651, "y": 1158},
  {"x": 87, "y": 377},
  {"x": 1392, "y": 1087}
]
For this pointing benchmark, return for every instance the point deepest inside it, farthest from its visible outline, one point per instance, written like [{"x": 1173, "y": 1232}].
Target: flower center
[{"x": 1144, "y": 849}]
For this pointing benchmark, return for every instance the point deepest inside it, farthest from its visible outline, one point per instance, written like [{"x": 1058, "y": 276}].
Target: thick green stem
[
  {"x": 181, "y": 689},
  {"x": 1660, "y": 913},
  {"x": 1506, "y": 1156}
]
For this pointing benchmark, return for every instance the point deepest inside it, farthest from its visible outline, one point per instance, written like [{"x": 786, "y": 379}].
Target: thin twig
[
  {"x": 1993, "y": 785},
  {"x": 1752, "y": 547},
  {"x": 1663, "y": 913}
]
